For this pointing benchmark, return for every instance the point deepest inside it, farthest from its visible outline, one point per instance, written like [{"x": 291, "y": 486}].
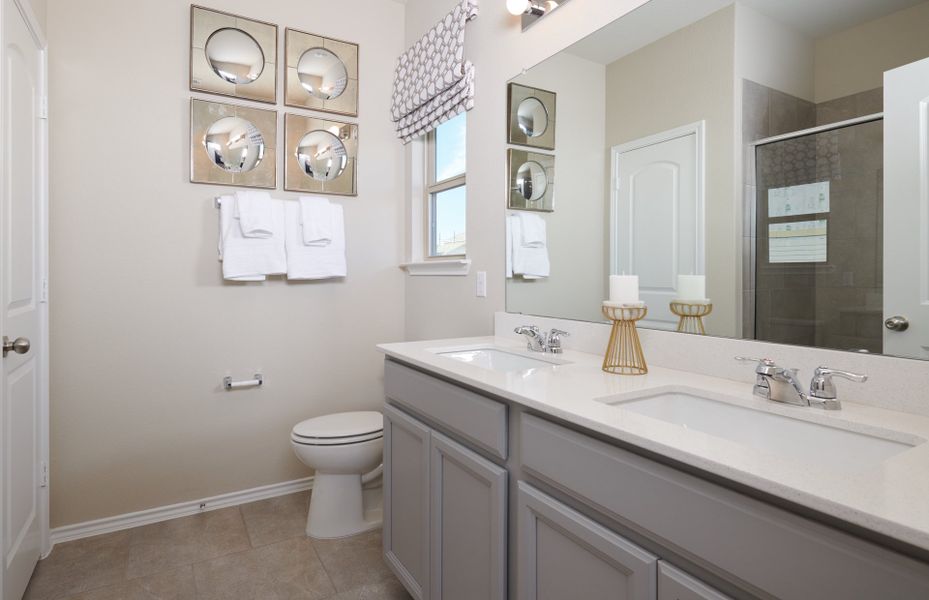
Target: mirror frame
[
  {"x": 297, "y": 42},
  {"x": 295, "y": 180},
  {"x": 204, "y": 22},
  {"x": 203, "y": 114},
  {"x": 515, "y": 158},
  {"x": 515, "y": 95}
]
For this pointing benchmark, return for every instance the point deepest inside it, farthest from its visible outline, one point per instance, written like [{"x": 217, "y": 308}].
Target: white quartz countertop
[{"x": 890, "y": 498}]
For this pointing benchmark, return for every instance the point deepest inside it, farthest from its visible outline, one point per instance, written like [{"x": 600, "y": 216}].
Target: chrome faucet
[
  {"x": 822, "y": 392},
  {"x": 542, "y": 341}
]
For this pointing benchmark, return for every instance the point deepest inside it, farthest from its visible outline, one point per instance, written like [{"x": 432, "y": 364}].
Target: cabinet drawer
[
  {"x": 674, "y": 584},
  {"x": 764, "y": 549},
  {"x": 479, "y": 420}
]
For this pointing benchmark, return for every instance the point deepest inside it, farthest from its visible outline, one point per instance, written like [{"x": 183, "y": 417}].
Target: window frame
[{"x": 431, "y": 189}]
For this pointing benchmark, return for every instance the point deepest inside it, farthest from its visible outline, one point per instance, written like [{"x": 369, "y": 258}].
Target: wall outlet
[{"x": 480, "y": 288}]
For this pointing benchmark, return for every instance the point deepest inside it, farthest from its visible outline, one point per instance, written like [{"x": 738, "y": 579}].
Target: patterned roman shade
[{"x": 433, "y": 81}]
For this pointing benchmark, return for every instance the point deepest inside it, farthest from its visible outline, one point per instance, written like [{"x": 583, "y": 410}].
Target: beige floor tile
[
  {"x": 288, "y": 570},
  {"x": 276, "y": 519},
  {"x": 79, "y": 566},
  {"x": 388, "y": 590},
  {"x": 177, "y": 584},
  {"x": 164, "y": 546},
  {"x": 354, "y": 562}
]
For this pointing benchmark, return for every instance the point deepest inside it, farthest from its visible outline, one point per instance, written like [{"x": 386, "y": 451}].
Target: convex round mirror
[
  {"x": 531, "y": 117},
  {"x": 531, "y": 181},
  {"x": 321, "y": 155},
  {"x": 234, "y": 144},
  {"x": 235, "y": 55},
  {"x": 322, "y": 73}
]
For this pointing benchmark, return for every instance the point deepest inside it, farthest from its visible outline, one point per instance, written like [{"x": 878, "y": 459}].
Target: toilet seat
[{"x": 339, "y": 429}]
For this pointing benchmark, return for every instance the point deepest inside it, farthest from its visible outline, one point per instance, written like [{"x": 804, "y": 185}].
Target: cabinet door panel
[
  {"x": 674, "y": 584},
  {"x": 468, "y": 524},
  {"x": 563, "y": 554},
  {"x": 406, "y": 500}
]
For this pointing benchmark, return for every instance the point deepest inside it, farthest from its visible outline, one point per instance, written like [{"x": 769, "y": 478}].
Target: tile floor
[{"x": 256, "y": 551}]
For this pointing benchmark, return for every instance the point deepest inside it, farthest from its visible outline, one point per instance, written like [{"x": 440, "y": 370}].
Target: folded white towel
[
  {"x": 532, "y": 262},
  {"x": 533, "y": 230},
  {"x": 316, "y": 219},
  {"x": 315, "y": 262},
  {"x": 253, "y": 210},
  {"x": 250, "y": 259}
]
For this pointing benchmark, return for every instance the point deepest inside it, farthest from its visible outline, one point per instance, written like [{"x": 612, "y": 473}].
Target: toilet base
[{"x": 337, "y": 507}]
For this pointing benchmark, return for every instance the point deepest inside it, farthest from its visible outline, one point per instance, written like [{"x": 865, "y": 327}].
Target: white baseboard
[{"x": 77, "y": 531}]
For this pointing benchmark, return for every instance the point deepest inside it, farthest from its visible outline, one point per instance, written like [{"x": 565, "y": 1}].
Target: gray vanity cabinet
[
  {"x": 674, "y": 584},
  {"x": 563, "y": 554}
]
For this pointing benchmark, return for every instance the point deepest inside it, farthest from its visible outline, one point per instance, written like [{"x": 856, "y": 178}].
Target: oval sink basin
[
  {"x": 770, "y": 433},
  {"x": 497, "y": 360}
]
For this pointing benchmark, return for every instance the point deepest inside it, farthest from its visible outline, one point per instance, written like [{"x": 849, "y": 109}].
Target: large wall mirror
[{"x": 777, "y": 150}]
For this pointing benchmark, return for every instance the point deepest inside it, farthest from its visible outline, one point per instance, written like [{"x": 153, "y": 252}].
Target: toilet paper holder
[{"x": 229, "y": 384}]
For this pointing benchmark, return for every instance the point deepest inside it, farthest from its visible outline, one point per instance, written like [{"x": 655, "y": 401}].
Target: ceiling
[{"x": 658, "y": 18}]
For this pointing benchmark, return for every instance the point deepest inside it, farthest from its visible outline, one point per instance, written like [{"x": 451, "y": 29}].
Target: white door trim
[{"x": 698, "y": 130}]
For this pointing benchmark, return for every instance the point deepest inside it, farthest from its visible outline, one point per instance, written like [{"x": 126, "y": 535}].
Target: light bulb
[{"x": 517, "y": 7}]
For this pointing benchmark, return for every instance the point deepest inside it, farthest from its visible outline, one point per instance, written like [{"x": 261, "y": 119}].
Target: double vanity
[{"x": 519, "y": 474}]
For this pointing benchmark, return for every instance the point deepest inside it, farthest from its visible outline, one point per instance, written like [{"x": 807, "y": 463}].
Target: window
[{"x": 445, "y": 190}]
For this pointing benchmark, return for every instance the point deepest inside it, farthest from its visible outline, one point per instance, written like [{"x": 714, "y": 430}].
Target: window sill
[{"x": 436, "y": 268}]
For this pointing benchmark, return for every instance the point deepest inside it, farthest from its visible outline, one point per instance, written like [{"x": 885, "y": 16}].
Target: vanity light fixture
[{"x": 531, "y": 10}]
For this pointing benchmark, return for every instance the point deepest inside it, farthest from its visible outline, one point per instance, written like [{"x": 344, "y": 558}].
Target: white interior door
[
  {"x": 657, "y": 229},
  {"x": 22, "y": 256},
  {"x": 906, "y": 208}
]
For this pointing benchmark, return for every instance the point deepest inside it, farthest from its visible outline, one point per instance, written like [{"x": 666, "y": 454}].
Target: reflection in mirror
[
  {"x": 770, "y": 192},
  {"x": 322, "y": 73},
  {"x": 531, "y": 181},
  {"x": 531, "y": 117},
  {"x": 234, "y": 55},
  {"x": 234, "y": 144},
  {"x": 321, "y": 155}
]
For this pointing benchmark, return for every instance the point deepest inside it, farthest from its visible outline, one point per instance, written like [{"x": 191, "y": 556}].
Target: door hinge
[
  {"x": 43, "y": 475},
  {"x": 43, "y": 293},
  {"x": 43, "y": 107}
]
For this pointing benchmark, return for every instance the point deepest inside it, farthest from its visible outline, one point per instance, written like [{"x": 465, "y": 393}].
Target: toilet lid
[{"x": 340, "y": 425}]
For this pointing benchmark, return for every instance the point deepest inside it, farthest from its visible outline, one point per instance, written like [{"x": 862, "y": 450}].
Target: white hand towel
[
  {"x": 316, "y": 220},
  {"x": 250, "y": 259},
  {"x": 253, "y": 210},
  {"x": 315, "y": 262},
  {"x": 533, "y": 230},
  {"x": 531, "y": 263}
]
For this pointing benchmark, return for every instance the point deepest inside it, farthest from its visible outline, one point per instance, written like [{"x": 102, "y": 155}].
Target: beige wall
[
  {"x": 576, "y": 234},
  {"x": 40, "y": 9},
  {"x": 447, "y": 306},
  {"x": 694, "y": 86},
  {"x": 143, "y": 327},
  {"x": 854, "y": 60}
]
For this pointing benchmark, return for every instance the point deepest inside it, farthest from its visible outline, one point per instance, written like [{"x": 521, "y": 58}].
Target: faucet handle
[
  {"x": 822, "y": 386},
  {"x": 554, "y": 340},
  {"x": 555, "y": 333}
]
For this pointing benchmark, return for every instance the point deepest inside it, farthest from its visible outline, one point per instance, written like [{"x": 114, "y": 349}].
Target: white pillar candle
[
  {"x": 691, "y": 287},
  {"x": 624, "y": 289}
]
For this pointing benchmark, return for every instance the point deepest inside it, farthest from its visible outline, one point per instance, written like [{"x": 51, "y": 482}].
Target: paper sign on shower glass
[
  {"x": 801, "y": 242},
  {"x": 808, "y": 199}
]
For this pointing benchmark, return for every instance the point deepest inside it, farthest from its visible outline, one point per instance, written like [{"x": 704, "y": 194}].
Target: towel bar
[{"x": 229, "y": 384}]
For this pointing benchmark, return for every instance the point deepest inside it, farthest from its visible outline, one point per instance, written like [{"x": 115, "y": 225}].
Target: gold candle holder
[
  {"x": 691, "y": 316},
  {"x": 624, "y": 354}
]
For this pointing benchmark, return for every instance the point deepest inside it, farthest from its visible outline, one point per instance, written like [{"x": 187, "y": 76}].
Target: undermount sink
[
  {"x": 767, "y": 432},
  {"x": 497, "y": 360}
]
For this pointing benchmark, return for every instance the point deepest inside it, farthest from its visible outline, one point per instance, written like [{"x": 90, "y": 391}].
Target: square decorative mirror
[
  {"x": 321, "y": 74},
  {"x": 532, "y": 180},
  {"x": 232, "y": 56},
  {"x": 232, "y": 145},
  {"x": 531, "y": 117},
  {"x": 321, "y": 155}
]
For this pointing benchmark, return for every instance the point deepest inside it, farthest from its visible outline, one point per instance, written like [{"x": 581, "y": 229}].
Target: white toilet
[{"x": 342, "y": 448}]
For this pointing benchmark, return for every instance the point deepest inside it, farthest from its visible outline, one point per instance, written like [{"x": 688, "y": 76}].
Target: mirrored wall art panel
[
  {"x": 531, "y": 117},
  {"x": 232, "y": 56},
  {"x": 532, "y": 180},
  {"x": 322, "y": 156},
  {"x": 232, "y": 145},
  {"x": 755, "y": 210},
  {"x": 322, "y": 73}
]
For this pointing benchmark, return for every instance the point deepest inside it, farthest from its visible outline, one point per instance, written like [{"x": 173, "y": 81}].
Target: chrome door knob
[
  {"x": 20, "y": 345},
  {"x": 897, "y": 324}
]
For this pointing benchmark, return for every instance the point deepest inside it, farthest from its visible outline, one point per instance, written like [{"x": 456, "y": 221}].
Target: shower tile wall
[{"x": 836, "y": 304}]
